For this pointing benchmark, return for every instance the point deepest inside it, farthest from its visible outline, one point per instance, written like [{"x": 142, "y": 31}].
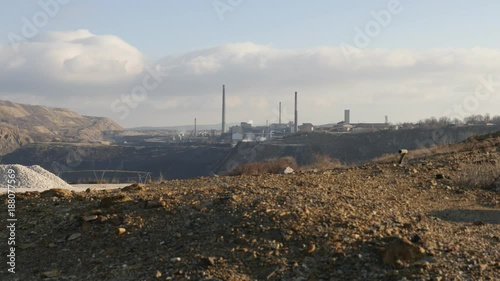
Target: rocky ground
[{"x": 418, "y": 221}]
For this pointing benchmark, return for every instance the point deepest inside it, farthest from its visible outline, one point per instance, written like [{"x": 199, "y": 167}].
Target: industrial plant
[{"x": 246, "y": 132}]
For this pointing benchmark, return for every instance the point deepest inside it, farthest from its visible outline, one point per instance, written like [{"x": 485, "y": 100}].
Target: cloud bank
[
  {"x": 77, "y": 57},
  {"x": 88, "y": 72}
]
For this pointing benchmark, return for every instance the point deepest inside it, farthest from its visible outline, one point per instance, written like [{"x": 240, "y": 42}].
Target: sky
[{"x": 163, "y": 63}]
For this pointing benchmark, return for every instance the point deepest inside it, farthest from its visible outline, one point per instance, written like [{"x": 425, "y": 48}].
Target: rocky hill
[
  {"x": 21, "y": 124},
  {"x": 435, "y": 217}
]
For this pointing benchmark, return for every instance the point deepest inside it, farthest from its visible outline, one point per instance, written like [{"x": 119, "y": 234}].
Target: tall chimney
[
  {"x": 195, "y": 127},
  {"x": 347, "y": 116},
  {"x": 280, "y": 115},
  {"x": 296, "y": 119},
  {"x": 223, "y": 109}
]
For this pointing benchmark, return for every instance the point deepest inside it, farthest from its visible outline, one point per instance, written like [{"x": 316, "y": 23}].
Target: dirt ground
[
  {"x": 76, "y": 187},
  {"x": 369, "y": 222}
]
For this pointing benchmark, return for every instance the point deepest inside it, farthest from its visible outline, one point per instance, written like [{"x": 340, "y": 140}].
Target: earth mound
[{"x": 31, "y": 177}]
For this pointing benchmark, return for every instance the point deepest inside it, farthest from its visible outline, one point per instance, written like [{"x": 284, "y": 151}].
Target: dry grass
[
  {"x": 272, "y": 166},
  {"x": 484, "y": 175},
  {"x": 420, "y": 152},
  {"x": 323, "y": 162}
]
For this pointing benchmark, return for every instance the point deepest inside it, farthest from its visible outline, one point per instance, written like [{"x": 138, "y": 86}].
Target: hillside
[
  {"x": 170, "y": 162},
  {"x": 32, "y": 123},
  {"x": 434, "y": 218},
  {"x": 349, "y": 148}
]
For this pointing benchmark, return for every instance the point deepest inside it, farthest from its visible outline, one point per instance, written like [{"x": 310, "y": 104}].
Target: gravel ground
[
  {"x": 369, "y": 222},
  {"x": 73, "y": 187}
]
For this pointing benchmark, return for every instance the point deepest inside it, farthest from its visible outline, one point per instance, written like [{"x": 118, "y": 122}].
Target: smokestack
[
  {"x": 280, "y": 115},
  {"x": 296, "y": 118},
  {"x": 195, "y": 127},
  {"x": 386, "y": 119},
  {"x": 347, "y": 116},
  {"x": 223, "y": 109}
]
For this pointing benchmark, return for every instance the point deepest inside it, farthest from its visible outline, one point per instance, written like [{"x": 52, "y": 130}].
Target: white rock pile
[{"x": 31, "y": 177}]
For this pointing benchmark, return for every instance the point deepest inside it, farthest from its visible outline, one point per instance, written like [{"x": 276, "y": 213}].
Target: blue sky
[
  {"x": 194, "y": 32},
  {"x": 159, "y": 28}
]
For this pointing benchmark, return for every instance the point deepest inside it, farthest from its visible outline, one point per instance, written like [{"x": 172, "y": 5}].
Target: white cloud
[
  {"x": 373, "y": 82},
  {"x": 75, "y": 57}
]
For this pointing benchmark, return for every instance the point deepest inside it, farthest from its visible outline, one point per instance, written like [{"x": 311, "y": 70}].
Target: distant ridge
[
  {"x": 23, "y": 123},
  {"x": 182, "y": 127}
]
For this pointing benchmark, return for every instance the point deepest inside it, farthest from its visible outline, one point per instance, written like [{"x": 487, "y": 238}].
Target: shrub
[
  {"x": 323, "y": 161},
  {"x": 273, "y": 166},
  {"x": 421, "y": 152},
  {"x": 484, "y": 175}
]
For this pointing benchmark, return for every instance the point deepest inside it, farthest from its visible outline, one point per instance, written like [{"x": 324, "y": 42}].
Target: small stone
[
  {"x": 483, "y": 267},
  {"x": 50, "y": 274},
  {"x": 402, "y": 250},
  {"x": 95, "y": 212},
  {"x": 416, "y": 239},
  {"x": 74, "y": 236},
  {"x": 176, "y": 259},
  {"x": 90, "y": 218},
  {"x": 440, "y": 176},
  {"x": 158, "y": 274},
  {"x": 52, "y": 245},
  {"x": 286, "y": 171},
  {"x": 150, "y": 204},
  {"x": 208, "y": 261},
  {"x": 311, "y": 248},
  {"x": 211, "y": 260},
  {"x": 120, "y": 231}
]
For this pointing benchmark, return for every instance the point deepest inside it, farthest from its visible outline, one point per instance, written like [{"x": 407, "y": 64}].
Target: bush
[
  {"x": 272, "y": 166},
  {"x": 323, "y": 161},
  {"x": 421, "y": 152},
  {"x": 484, "y": 175}
]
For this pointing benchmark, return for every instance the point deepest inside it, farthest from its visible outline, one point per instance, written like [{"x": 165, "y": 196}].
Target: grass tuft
[{"x": 272, "y": 166}]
